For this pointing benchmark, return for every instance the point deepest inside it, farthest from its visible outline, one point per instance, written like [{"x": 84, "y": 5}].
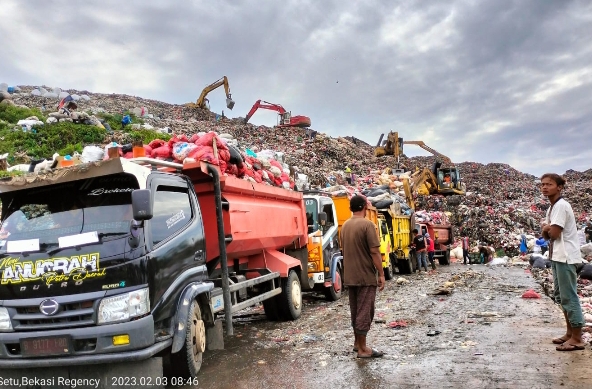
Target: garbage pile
[{"x": 501, "y": 202}]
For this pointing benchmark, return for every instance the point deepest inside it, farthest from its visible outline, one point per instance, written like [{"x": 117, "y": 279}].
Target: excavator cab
[{"x": 449, "y": 181}]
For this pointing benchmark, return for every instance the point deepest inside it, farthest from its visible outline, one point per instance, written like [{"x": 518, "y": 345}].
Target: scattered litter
[{"x": 531, "y": 294}]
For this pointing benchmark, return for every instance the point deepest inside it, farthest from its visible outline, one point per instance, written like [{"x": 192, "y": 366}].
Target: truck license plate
[
  {"x": 55, "y": 345},
  {"x": 318, "y": 277}
]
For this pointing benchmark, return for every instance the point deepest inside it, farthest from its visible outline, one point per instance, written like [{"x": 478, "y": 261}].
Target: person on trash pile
[
  {"x": 465, "y": 249},
  {"x": 588, "y": 232},
  {"x": 431, "y": 250},
  {"x": 544, "y": 245},
  {"x": 523, "y": 246},
  {"x": 483, "y": 254},
  {"x": 419, "y": 243},
  {"x": 564, "y": 252},
  {"x": 361, "y": 263},
  {"x": 348, "y": 175}
]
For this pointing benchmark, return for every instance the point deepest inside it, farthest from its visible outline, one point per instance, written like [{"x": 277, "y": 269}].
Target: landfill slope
[{"x": 500, "y": 204}]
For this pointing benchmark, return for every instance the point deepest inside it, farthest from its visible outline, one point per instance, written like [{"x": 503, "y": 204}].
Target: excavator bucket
[{"x": 229, "y": 103}]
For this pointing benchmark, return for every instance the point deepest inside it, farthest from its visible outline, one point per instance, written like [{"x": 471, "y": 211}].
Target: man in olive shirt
[{"x": 361, "y": 263}]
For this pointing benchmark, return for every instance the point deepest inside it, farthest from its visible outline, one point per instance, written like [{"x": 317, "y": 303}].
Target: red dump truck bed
[{"x": 258, "y": 217}]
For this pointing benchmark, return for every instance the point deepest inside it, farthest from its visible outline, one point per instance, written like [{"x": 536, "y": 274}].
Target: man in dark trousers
[
  {"x": 361, "y": 265},
  {"x": 419, "y": 243},
  {"x": 564, "y": 252},
  {"x": 465, "y": 248}
]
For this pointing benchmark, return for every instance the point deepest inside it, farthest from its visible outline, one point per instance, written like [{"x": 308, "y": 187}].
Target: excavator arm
[
  {"x": 266, "y": 105},
  {"x": 426, "y": 147},
  {"x": 201, "y": 101},
  {"x": 424, "y": 182},
  {"x": 286, "y": 119},
  {"x": 393, "y": 145}
]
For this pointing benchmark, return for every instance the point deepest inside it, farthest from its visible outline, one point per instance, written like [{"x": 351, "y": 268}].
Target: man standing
[
  {"x": 431, "y": 250},
  {"x": 465, "y": 248},
  {"x": 420, "y": 250},
  {"x": 564, "y": 252},
  {"x": 361, "y": 263}
]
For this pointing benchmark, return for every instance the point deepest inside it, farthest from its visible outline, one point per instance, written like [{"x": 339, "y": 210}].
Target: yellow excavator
[
  {"x": 438, "y": 180},
  {"x": 203, "y": 103}
]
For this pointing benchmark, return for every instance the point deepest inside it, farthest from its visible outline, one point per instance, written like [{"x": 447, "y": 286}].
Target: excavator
[
  {"x": 285, "y": 118},
  {"x": 203, "y": 103},
  {"x": 438, "y": 180}
]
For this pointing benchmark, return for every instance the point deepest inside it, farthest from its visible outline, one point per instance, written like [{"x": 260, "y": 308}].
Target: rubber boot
[
  {"x": 426, "y": 268},
  {"x": 434, "y": 265}
]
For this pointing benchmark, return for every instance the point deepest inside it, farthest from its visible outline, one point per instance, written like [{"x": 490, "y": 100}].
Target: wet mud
[{"x": 459, "y": 327}]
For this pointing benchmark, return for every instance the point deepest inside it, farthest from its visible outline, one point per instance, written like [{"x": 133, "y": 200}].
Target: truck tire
[
  {"x": 330, "y": 293},
  {"x": 388, "y": 271},
  {"x": 290, "y": 300},
  {"x": 187, "y": 362}
]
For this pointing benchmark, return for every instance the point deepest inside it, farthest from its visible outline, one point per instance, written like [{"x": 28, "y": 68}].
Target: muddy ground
[{"x": 489, "y": 337}]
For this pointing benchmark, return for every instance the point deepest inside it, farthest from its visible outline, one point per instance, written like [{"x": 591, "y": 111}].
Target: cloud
[{"x": 490, "y": 81}]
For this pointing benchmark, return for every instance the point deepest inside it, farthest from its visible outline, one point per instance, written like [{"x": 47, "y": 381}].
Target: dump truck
[
  {"x": 343, "y": 213},
  {"x": 124, "y": 260},
  {"x": 325, "y": 261},
  {"x": 400, "y": 227}
]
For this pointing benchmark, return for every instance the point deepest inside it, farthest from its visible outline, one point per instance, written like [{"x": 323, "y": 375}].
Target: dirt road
[{"x": 485, "y": 336}]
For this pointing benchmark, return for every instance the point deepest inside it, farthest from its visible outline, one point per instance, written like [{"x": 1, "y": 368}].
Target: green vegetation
[{"x": 64, "y": 138}]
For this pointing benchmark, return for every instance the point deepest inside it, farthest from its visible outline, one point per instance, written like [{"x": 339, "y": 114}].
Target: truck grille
[{"x": 78, "y": 312}]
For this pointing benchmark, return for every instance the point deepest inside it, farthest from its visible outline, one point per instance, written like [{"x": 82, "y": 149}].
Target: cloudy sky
[{"x": 486, "y": 81}]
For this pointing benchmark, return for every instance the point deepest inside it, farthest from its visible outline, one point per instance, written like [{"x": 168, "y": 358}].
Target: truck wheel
[
  {"x": 388, "y": 271},
  {"x": 291, "y": 298},
  {"x": 330, "y": 293},
  {"x": 187, "y": 362},
  {"x": 447, "y": 257}
]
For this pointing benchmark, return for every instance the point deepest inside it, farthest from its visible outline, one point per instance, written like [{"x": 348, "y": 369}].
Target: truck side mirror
[
  {"x": 142, "y": 204},
  {"x": 322, "y": 218}
]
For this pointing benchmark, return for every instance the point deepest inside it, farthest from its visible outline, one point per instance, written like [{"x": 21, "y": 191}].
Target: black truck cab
[{"x": 100, "y": 264}]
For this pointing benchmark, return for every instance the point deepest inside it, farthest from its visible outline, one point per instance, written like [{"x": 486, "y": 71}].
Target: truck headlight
[
  {"x": 5, "y": 324},
  {"x": 124, "y": 306}
]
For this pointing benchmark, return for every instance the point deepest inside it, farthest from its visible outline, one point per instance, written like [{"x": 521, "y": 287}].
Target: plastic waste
[{"x": 92, "y": 154}]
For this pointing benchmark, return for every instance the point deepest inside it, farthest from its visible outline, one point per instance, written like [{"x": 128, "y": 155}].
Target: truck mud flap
[
  {"x": 188, "y": 295},
  {"x": 337, "y": 259}
]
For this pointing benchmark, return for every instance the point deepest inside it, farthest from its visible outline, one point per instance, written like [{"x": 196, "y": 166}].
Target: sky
[{"x": 484, "y": 81}]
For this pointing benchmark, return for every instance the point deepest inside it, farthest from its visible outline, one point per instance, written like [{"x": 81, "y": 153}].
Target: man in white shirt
[{"x": 564, "y": 252}]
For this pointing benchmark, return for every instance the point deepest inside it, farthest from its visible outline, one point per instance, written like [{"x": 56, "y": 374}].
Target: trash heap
[{"x": 501, "y": 202}]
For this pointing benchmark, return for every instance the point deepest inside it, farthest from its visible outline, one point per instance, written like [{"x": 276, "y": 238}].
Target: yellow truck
[{"x": 343, "y": 213}]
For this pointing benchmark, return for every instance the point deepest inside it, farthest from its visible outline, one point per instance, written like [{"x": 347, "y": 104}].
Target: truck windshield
[
  {"x": 101, "y": 204},
  {"x": 311, "y": 214}
]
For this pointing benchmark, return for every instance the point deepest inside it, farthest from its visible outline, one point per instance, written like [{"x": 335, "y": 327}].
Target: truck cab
[
  {"x": 325, "y": 259},
  {"x": 386, "y": 247}
]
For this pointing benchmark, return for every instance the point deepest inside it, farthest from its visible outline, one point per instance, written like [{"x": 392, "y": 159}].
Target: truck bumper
[{"x": 141, "y": 346}]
